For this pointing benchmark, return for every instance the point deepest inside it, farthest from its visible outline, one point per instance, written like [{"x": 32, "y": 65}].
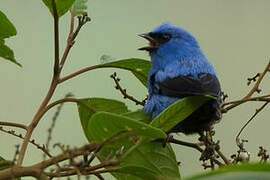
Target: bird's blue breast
[{"x": 170, "y": 69}]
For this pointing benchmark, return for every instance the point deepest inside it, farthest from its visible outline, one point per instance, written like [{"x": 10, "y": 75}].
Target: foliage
[
  {"x": 62, "y": 6},
  {"x": 128, "y": 144},
  {"x": 139, "y": 67},
  {"x": 247, "y": 171},
  {"x": 7, "y": 30}
]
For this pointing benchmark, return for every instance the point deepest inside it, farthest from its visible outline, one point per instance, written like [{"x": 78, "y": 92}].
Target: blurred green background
[{"x": 233, "y": 34}]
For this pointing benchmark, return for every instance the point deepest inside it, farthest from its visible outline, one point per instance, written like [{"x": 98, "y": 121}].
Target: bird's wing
[{"x": 181, "y": 86}]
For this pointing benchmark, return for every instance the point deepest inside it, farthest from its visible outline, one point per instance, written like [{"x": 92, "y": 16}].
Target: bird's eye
[{"x": 166, "y": 36}]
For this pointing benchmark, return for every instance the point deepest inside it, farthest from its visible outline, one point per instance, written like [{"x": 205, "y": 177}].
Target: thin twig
[
  {"x": 254, "y": 115},
  {"x": 188, "y": 144},
  {"x": 124, "y": 92},
  {"x": 16, "y": 153},
  {"x": 22, "y": 126},
  {"x": 220, "y": 164},
  {"x": 83, "y": 70},
  {"x": 212, "y": 164},
  {"x": 99, "y": 176},
  {"x": 54, "y": 121},
  {"x": 42, "y": 148},
  {"x": 226, "y": 161},
  {"x": 71, "y": 29},
  {"x": 89, "y": 68},
  {"x": 264, "y": 98},
  {"x": 254, "y": 89},
  {"x": 70, "y": 172},
  {"x": 66, "y": 100},
  {"x": 56, "y": 37},
  {"x": 72, "y": 35}
]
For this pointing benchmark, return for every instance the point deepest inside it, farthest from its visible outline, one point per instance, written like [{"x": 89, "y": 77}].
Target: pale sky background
[{"x": 234, "y": 35}]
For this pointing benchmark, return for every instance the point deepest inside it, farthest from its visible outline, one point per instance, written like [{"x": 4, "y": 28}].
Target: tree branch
[
  {"x": 188, "y": 144},
  {"x": 17, "y": 171},
  {"x": 264, "y": 98},
  {"x": 55, "y": 79},
  {"x": 254, "y": 115},
  {"x": 227, "y": 162},
  {"x": 63, "y": 101},
  {"x": 72, "y": 35},
  {"x": 89, "y": 68},
  {"x": 52, "y": 88},
  {"x": 42, "y": 148},
  {"x": 56, "y": 38},
  {"x": 22, "y": 126},
  {"x": 254, "y": 89},
  {"x": 124, "y": 92}
]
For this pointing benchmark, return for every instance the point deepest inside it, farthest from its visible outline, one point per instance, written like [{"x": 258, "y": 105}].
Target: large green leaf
[
  {"x": 178, "y": 111},
  {"x": 149, "y": 160},
  {"x": 89, "y": 106},
  {"x": 7, "y": 30},
  {"x": 245, "y": 171},
  {"x": 62, "y": 6},
  {"x": 139, "y": 67},
  {"x": 5, "y": 167},
  {"x": 104, "y": 125}
]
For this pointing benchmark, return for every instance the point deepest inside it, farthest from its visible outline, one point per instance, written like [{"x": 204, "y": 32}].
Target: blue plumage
[{"x": 179, "y": 69}]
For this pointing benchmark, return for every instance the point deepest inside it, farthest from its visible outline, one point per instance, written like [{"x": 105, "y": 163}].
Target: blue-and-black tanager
[{"x": 180, "y": 69}]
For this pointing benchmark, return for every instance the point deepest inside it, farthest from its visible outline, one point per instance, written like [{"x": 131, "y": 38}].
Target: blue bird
[{"x": 180, "y": 69}]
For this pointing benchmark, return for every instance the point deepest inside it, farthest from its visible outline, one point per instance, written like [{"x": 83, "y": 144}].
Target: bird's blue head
[{"x": 171, "y": 42}]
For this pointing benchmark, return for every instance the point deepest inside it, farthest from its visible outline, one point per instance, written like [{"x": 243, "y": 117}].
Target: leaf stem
[{"x": 89, "y": 68}]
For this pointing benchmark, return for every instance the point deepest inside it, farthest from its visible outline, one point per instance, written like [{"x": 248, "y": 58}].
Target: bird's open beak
[{"x": 153, "y": 44}]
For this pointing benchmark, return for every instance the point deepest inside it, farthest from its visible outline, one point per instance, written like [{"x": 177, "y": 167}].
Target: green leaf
[
  {"x": 7, "y": 30},
  {"x": 104, "y": 125},
  {"x": 139, "y": 115},
  {"x": 7, "y": 53},
  {"x": 178, "y": 111},
  {"x": 139, "y": 67},
  {"x": 149, "y": 160},
  {"x": 62, "y": 6},
  {"x": 5, "y": 167},
  {"x": 89, "y": 106},
  {"x": 79, "y": 7},
  {"x": 244, "y": 171}
]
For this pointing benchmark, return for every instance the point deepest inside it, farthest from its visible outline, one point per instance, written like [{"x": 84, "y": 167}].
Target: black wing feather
[{"x": 181, "y": 86}]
